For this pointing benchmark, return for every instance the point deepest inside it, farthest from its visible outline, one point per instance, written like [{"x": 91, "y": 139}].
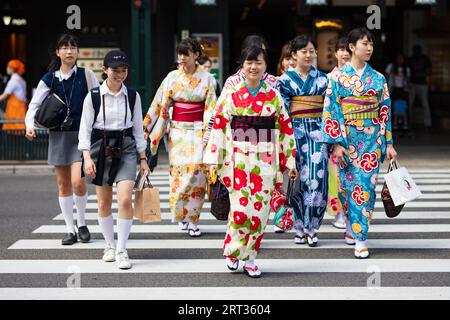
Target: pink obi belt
[{"x": 188, "y": 111}]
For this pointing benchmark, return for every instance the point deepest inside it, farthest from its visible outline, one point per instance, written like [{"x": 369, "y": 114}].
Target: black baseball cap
[{"x": 116, "y": 58}]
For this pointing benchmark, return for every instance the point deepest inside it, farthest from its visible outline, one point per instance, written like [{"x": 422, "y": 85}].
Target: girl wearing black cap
[
  {"x": 71, "y": 84},
  {"x": 190, "y": 92},
  {"x": 111, "y": 132}
]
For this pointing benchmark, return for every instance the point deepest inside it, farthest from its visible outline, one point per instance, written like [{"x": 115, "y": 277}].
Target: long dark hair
[{"x": 65, "y": 39}]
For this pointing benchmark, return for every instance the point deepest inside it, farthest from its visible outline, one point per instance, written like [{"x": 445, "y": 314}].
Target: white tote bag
[{"x": 400, "y": 184}]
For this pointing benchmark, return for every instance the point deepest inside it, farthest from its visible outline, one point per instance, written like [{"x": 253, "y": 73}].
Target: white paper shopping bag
[{"x": 400, "y": 184}]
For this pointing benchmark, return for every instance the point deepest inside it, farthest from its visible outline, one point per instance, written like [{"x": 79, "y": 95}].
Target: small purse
[
  {"x": 220, "y": 201},
  {"x": 52, "y": 112},
  {"x": 284, "y": 216}
]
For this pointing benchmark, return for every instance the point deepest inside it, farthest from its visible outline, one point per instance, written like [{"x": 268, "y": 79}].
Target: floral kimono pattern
[
  {"x": 187, "y": 171},
  {"x": 310, "y": 201},
  {"x": 250, "y": 169},
  {"x": 365, "y": 140}
]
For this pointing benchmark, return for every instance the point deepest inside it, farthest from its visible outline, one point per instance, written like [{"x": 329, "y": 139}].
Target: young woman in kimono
[
  {"x": 357, "y": 121},
  {"x": 303, "y": 89},
  {"x": 251, "y": 145},
  {"x": 190, "y": 92},
  {"x": 334, "y": 206}
]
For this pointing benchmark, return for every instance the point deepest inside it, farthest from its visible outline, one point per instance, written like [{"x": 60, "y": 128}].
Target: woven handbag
[{"x": 389, "y": 207}]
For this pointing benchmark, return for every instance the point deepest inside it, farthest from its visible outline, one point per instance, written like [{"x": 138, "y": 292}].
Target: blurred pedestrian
[
  {"x": 398, "y": 75},
  {"x": 286, "y": 60},
  {"x": 71, "y": 83},
  {"x": 206, "y": 63},
  {"x": 15, "y": 92},
  {"x": 111, "y": 134},
  {"x": 420, "y": 66}
]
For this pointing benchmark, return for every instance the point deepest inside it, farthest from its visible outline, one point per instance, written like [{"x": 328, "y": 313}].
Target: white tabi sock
[
  {"x": 66, "y": 204},
  {"x": 107, "y": 227},
  {"x": 80, "y": 204},
  {"x": 123, "y": 231},
  {"x": 360, "y": 245},
  {"x": 250, "y": 264}
]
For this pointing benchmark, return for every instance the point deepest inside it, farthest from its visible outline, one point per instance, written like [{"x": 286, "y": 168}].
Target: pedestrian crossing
[{"x": 168, "y": 264}]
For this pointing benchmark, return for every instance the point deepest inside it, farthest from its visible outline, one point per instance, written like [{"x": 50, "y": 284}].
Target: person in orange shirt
[{"x": 15, "y": 92}]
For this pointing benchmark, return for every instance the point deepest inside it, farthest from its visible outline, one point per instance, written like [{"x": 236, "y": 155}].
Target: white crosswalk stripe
[{"x": 420, "y": 234}]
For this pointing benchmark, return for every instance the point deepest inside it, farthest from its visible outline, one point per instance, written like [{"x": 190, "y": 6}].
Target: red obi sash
[{"x": 188, "y": 111}]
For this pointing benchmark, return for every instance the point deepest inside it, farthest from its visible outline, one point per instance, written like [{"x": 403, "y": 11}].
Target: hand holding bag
[
  {"x": 147, "y": 204},
  {"x": 400, "y": 184}
]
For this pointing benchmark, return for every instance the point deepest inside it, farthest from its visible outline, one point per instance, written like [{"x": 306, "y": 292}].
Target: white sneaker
[
  {"x": 123, "y": 262},
  {"x": 109, "y": 254}
]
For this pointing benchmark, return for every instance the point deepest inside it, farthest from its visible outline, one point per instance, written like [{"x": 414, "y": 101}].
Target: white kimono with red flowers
[
  {"x": 250, "y": 169},
  {"x": 187, "y": 172}
]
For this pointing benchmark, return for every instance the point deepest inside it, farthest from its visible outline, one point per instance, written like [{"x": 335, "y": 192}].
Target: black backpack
[{"x": 96, "y": 101}]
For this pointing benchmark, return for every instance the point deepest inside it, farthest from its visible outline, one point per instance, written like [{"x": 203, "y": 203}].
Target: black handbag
[
  {"x": 52, "y": 111},
  {"x": 220, "y": 202}
]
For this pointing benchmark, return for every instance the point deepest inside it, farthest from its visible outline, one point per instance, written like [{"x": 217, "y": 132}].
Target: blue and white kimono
[
  {"x": 357, "y": 115},
  {"x": 304, "y": 100}
]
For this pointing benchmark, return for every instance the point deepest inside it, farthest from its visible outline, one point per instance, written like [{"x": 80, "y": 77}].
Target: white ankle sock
[
  {"x": 66, "y": 204},
  {"x": 360, "y": 245},
  {"x": 107, "y": 227},
  {"x": 348, "y": 227},
  {"x": 250, "y": 264},
  {"x": 123, "y": 231},
  {"x": 80, "y": 204}
]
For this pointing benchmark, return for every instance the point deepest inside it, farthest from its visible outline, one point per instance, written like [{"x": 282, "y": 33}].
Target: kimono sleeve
[
  {"x": 333, "y": 126},
  {"x": 385, "y": 113},
  {"x": 287, "y": 147},
  {"x": 216, "y": 150},
  {"x": 283, "y": 85},
  {"x": 210, "y": 103},
  {"x": 162, "y": 98},
  {"x": 154, "y": 122}
]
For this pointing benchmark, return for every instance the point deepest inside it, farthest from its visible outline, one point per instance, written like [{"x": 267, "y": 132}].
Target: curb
[{"x": 39, "y": 170}]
